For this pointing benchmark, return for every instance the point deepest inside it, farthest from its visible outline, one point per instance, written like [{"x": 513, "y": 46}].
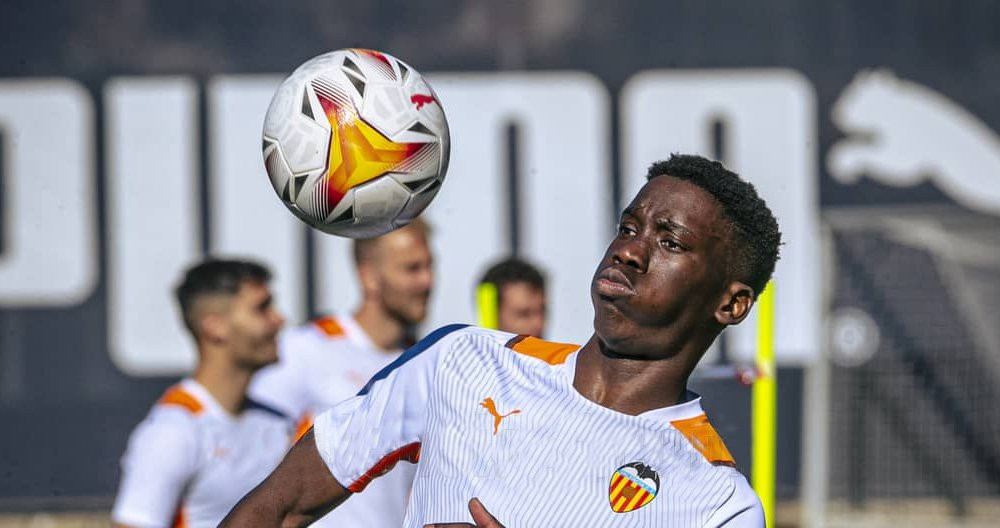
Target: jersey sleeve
[
  {"x": 365, "y": 436},
  {"x": 741, "y": 510},
  {"x": 159, "y": 462}
]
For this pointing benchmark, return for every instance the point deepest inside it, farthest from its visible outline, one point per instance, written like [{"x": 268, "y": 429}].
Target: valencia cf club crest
[{"x": 633, "y": 486}]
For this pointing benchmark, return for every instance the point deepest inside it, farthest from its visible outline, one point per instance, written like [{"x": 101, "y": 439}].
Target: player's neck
[
  {"x": 385, "y": 331},
  {"x": 226, "y": 382},
  {"x": 629, "y": 386}
]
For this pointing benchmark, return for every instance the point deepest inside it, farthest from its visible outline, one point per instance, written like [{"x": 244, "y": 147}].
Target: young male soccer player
[
  {"x": 329, "y": 360},
  {"x": 545, "y": 434},
  {"x": 205, "y": 444},
  {"x": 520, "y": 289}
]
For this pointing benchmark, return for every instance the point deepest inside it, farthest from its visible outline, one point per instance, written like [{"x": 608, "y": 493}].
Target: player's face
[
  {"x": 660, "y": 280},
  {"x": 522, "y": 309},
  {"x": 405, "y": 274},
  {"x": 254, "y": 322}
]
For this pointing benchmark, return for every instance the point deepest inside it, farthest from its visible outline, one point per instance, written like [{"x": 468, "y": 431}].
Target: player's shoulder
[
  {"x": 702, "y": 436},
  {"x": 321, "y": 329},
  {"x": 742, "y": 509},
  {"x": 301, "y": 345},
  {"x": 180, "y": 403},
  {"x": 174, "y": 420},
  {"x": 449, "y": 339},
  {"x": 539, "y": 350},
  {"x": 499, "y": 342},
  {"x": 462, "y": 342}
]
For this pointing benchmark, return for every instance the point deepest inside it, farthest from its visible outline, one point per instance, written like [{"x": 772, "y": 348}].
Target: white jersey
[
  {"x": 190, "y": 461},
  {"x": 321, "y": 364},
  {"x": 495, "y": 416}
]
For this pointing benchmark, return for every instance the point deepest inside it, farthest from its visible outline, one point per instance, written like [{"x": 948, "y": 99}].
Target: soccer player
[
  {"x": 330, "y": 359},
  {"x": 205, "y": 444},
  {"x": 547, "y": 434},
  {"x": 520, "y": 289}
]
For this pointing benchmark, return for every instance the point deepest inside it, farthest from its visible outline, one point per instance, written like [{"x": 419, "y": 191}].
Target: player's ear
[
  {"x": 368, "y": 277},
  {"x": 735, "y": 304},
  {"x": 213, "y": 327}
]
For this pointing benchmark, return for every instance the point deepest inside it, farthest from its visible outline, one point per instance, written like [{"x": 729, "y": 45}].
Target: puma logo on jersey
[{"x": 490, "y": 406}]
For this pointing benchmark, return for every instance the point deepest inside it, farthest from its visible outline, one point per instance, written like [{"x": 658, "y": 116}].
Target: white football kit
[
  {"x": 495, "y": 416},
  {"x": 190, "y": 461},
  {"x": 321, "y": 364}
]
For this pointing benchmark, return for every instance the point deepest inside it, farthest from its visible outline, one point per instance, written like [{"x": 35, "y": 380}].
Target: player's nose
[
  {"x": 632, "y": 252},
  {"x": 278, "y": 319}
]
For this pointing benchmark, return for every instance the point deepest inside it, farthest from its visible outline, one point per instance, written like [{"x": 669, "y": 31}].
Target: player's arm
[
  {"x": 160, "y": 460},
  {"x": 299, "y": 491},
  {"x": 350, "y": 444},
  {"x": 742, "y": 510}
]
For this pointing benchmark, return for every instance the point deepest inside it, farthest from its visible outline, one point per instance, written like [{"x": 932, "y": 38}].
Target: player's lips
[{"x": 613, "y": 283}]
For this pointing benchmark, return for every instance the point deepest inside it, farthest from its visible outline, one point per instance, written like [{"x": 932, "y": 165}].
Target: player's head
[
  {"x": 520, "y": 296},
  {"x": 693, "y": 250},
  {"x": 228, "y": 308},
  {"x": 396, "y": 271}
]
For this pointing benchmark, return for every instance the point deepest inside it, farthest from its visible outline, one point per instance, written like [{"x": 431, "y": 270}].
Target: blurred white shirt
[
  {"x": 321, "y": 364},
  {"x": 190, "y": 461}
]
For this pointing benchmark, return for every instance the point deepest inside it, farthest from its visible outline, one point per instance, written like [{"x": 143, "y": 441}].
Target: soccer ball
[{"x": 355, "y": 143}]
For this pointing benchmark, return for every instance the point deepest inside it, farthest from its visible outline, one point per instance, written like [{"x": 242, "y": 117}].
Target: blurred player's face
[
  {"x": 661, "y": 280},
  {"x": 403, "y": 274},
  {"x": 253, "y": 322},
  {"x": 522, "y": 309}
]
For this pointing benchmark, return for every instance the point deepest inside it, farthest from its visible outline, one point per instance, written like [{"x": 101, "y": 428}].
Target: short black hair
[
  {"x": 215, "y": 277},
  {"x": 512, "y": 270},
  {"x": 755, "y": 231}
]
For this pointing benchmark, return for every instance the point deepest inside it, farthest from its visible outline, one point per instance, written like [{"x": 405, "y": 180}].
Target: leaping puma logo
[
  {"x": 490, "y": 406},
  {"x": 900, "y": 133}
]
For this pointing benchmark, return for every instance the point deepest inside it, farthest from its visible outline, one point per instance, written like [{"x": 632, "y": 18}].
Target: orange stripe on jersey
[
  {"x": 547, "y": 351},
  {"x": 705, "y": 439},
  {"x": 180, "y": 520},
  {"x": 176, "y": 395},
  {"x": 303, "y": 427},
  {"x": 329, "y": 326},
  {"x": 410, "y": 452}
]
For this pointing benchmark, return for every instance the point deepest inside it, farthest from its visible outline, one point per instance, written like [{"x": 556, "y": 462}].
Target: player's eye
[
  {"x": 624, "y": 229},
  {"x": 671, "y": 244}
]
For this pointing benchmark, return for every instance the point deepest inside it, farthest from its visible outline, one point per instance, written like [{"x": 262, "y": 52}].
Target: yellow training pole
[
  {"x": 765, "y": 407},
  {"x": 487, "y": 303}
]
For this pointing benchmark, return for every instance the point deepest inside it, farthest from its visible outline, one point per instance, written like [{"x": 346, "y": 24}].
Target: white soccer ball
[{"x": 356, "y": 143}]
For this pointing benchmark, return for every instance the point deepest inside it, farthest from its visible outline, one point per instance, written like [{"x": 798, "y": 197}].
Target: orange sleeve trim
[
  {"x": 303, "y": 427},
  {"x": 547, "y": 351},
  {"x": 180, "y": 520},
  {"x": 705, "y": 439},
  {"x": 329, "y": 326},
  {"x": 178, "y": 396},
  {"x": 409, "y": 452}
]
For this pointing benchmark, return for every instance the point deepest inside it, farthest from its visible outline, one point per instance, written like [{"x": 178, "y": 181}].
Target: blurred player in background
[
  {"x": 549, "y": 434},
  {"x": 330, "y": 359},
  {"x": 205, "y": 443},
  {"x": 520, "y": 294}
]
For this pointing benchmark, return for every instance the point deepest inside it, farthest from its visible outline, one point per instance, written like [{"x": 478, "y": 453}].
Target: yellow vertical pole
[
  {"x": 487, "y": 304},
  {"x": 765, "y": 407}
]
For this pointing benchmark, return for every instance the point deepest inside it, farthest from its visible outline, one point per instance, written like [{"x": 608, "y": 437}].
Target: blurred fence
[{"x": 914, "y": 377}]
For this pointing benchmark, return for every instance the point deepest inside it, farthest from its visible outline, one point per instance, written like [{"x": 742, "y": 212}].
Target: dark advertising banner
[{"x": 130, "y": 136}]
